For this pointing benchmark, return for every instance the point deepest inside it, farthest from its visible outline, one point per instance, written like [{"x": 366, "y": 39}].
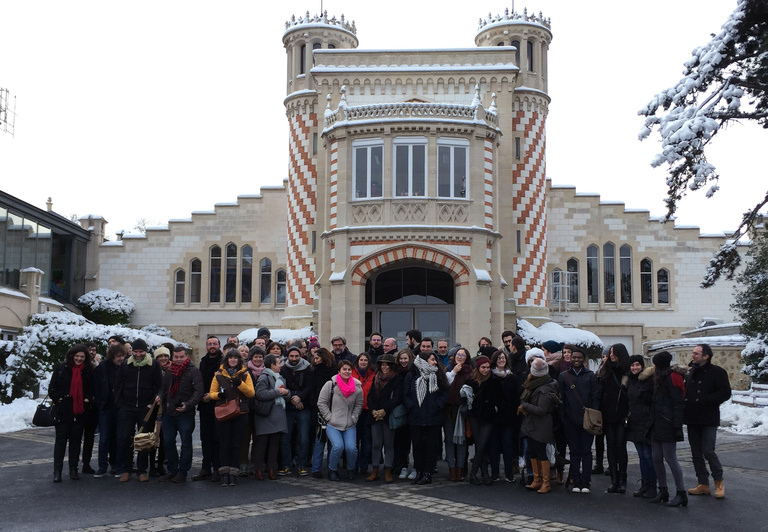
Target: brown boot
[
  {"x": 536, "y": 467},
  {"x": 545, "y": 485},
  {"x": 701, "y": 489},
  {"x": 373, "y": 476},
  {"x": 719, "y": 489},
  {"x": 388, "y": 475},
  {"x": 452, "y": 474}
]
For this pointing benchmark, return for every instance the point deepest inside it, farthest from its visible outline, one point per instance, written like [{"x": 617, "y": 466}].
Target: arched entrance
[{"x": 410, "y": 297}]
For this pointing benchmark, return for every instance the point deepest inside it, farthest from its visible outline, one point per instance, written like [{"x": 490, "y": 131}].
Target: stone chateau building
[{"x": 417, "y": 197}]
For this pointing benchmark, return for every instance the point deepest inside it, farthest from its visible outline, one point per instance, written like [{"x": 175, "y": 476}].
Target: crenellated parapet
[
  {"x": 514, "y": 17},
  {"x": 340, "y": 23}
]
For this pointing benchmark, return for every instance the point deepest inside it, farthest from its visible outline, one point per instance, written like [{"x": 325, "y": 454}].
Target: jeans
[
  {"x": 645, "y": 455},
  {"x": 184, "y": 426},
  {"x": 616, "y": 446},
  {"x": 340, "y": 442},
  {"x": 503, "y": 443},
  {"x": 383, "y": 437},
  {"x": 298, "y": 419},
  {"x": 702, "y": 439},
  {"x": 580, "y": 443},
  {"x": 317, "y": 455},
  {"x": 108, "y": 447}
]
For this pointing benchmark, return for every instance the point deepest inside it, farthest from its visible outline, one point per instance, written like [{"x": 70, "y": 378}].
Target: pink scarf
[{"x": 347, "y": 388}]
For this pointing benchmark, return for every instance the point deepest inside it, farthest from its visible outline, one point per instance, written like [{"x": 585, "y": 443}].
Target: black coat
[
  {"x": 510, "y": 400},
  {"x": 613, "y": 401},
  {"x": 137, "y": 386},
  {"x": 640, "y": 394},
  {"x": 486, "y": 400},
  {"x": 706, "y": 388},
  {"x": 430, "y": 412},
  {"x": 578, "y": 392},
  {"x": 104, "y": 379},
  {"x": 59, "y": 387},
  {"x": 388, "y": 398},
  {"x": 190, "y": 391},
  {"x": 668, "y": 407}
]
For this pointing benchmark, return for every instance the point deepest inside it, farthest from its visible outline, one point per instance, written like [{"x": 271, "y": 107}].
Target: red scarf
[
  {"x": 76, "y": 389},
  {"x": 176, "y": 370}
]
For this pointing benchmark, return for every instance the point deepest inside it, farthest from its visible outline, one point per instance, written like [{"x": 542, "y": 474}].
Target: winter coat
[
  {"x": 275, "y": 422},
  {"x": 365, "y": 382},
  {"x": 430, "y": 413},
  {"x": 298, "y": 380},
  {"x": 613, "y": 402},
  {"x": 345, "y": 355},
  {"x": 344, "y": 411},
  {"x": 538, "y": 407},
  {"x": 104, "y": 379},
  {"x": 320, "y": 375},
  {"x": 189, "y": 393},
  {"x": 579, "y": 391},
  {"x": 668, "y": 407},
  {"x": 510, "y": 400},
  {"x": 640, "y": 396},
  {"x": 226, "y": 388},
  {"x": 137, "y": 386},
  {"x": 59, "y": 388},
  {"x": 209, "y": 365},
  {"x": 388, "y": 398},
  {"x": 516, "y": 363},
  {"x": 486, "y": 399},
  {"x": 706, "y": 388}
]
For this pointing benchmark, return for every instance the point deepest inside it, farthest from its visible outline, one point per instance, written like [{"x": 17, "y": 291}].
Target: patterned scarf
[
  {"x": 177, "y": 370},
  {"x": 76, "y": 389},
  {"x": 381, "y": 380},
  {"x": 427, "y": 379}
]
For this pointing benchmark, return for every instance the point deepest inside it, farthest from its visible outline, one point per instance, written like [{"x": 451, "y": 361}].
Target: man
[
  {"x": 115, "y": 340},
  {"x": 261, "y": 341},
  {"x": 340, "y": 351},
  {"x": 426, "y": 347},
  {"x": 263, "y": 332},
  {"x": 298, "y": 381},
  {"x": 706, "y": 388},
  {"x": 137, "y": 384},
  {"x": 375, "y": 349},
  {"x": 209, "y": 441},
  {"x": 506, "y": 340},
  {"x": 390, "y": 346},
  {"x": 413, "y": 338},
  {"x": 233, "y": 339},
  {"x": 105, "y": 377},
  {"x": 516, "y": 362},
  {"x": 181, "y": 392},
  {"x": 442, "y": 353},
  {"x": 298, "y": 343}
]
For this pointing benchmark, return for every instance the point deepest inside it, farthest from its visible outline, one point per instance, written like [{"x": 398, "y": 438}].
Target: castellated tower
[
  {"x": 302, "y": 36},
  {"x": 522, "y": 163}
]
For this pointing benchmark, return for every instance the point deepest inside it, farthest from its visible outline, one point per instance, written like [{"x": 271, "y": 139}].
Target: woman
[
  {"x": 385, "y": 395},
  {"x": 456, "y": 409},
  {"x": 639, "y": 422},
  {"x": 486, "y": 392},
  {"x": 668, "y": 407},
  {"x": 71, "y": 390},
  {"x": 598, "y": 468},
  {"x": 232, "y": 382},
  {"x": 91, "y": 422},
  {"x": 268, "y": 430},
  {"x": 615, "y": 406},
  {"x": 312, "y": 348},
  {"x": 506, "y": 430},
  {"x": 539, "y": 399},
  {"x": 425, "y": 391},
  {"x": 323, "y": 370},
  {"x": 255, "y": 364},
  {"x": 274, "y": 348},
  {"x": 340, "y": 403},
  {"x": 403, "y": 434},
  {"x": 244, "y": 352},
  {"x": 364, "y": 372},
  {"x": 580, "y": 389}
]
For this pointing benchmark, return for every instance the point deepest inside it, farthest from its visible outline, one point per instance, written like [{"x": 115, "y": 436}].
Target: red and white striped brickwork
[{"x": 433, "y": 257}]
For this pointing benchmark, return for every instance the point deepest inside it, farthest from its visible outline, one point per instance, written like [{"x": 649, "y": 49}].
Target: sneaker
[
  {"x": 100, "y": 474},
  {"x": 403, "y": 474},
  {"x": 412, "y": 474},
  {"x": 284, "y": 471},
  {"x": 143, "y": 477},
  {"x": 125, "y": 477},
  {"x": 510, "y": 479},
  {"x": 585, "y": 488},
  {"x": 576, "y": 489},
  {"x": 303, "y": 472}
]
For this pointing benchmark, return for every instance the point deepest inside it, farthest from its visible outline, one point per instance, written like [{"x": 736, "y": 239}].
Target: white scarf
[
  {"x": 278, "y": 383},
  {"x": 427, "y": 379}
]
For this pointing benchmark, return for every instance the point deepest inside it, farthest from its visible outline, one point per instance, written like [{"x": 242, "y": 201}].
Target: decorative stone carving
[
  {"x": 366, "y": 214},
  {"x": 409, "y": 212},
  {"x": 448, "y": 213}
]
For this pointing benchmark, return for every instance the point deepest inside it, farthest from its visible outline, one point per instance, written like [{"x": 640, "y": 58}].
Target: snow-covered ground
[{"x": 734, "y": 418}]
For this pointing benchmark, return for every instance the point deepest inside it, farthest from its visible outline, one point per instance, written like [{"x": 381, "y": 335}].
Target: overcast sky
[{"x": 155, "y": 109}]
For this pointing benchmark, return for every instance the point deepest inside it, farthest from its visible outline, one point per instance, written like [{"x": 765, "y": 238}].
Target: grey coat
[
  {"x": 537, "y": 423},
  {"x": 275, "y": 422},
  {"x": 346, "y": 410}
]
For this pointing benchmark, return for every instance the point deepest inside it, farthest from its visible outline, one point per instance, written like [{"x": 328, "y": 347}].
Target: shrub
[{"x": 108, "y": 307}]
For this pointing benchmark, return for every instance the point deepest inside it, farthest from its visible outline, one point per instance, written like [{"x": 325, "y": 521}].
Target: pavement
[{"x": 32, "y": 502}]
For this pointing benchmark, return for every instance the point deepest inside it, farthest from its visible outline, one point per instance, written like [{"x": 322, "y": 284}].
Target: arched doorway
[{"x": 410, "y": 297}]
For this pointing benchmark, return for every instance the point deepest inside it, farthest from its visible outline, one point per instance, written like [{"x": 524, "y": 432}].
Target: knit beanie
[
  {"x": 539, "y": 368},
  {"x": 637, "y": 358},
  {"x": 662, "y": 360},
  {"x": 552, "y": 346}
]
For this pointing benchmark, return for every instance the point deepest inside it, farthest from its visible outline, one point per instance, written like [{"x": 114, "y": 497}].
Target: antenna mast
[{"x": 7, "y": 111}]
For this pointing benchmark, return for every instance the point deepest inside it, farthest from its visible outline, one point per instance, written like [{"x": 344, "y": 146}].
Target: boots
[
  {"x": 650, "y": 493},
  {"x": 681, "y": 498},
  {"x": 614, "y": 487},
  {"x": 473, "y": 475},
  {"x": 425, "y": 479},
  {"x": 622, "y": 487},
  {"x": 373, "y": 476},
  {"x": 700, "y": 489},
  {"x": 57, "y": 474},
  {"x": 662, "y": 496},
  {"x": 545, "y": 480},
  {"x": 536, "y": 467},
  {"x": 559, "y": 477},
  {"x": 73, "y": 474},
  {"x": 452, "y": 474},
  {"x": 643, "y": 488},
  {"x": 484, "y": 475},
  {"x": 719, "y": 489},
  {"x": 233, "y": 474},
  {"x": 388, "y": 475}
]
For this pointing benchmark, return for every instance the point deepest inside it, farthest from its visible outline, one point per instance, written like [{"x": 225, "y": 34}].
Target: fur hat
[
  {"x": 539, "y": 368},
  {"x": 139, "y": 345},
  {"x": 161, "y": 351},
  {"x": 534, "y": 352},
  {"x": 552, "y": 346},
  {"x": 662, "y": 360},
  {"x": 486, "y": 351}
]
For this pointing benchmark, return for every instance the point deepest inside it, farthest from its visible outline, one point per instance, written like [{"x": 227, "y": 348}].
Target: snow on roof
[
  {"x": 731, "y": 340},
  {"x": 337, "y": 276},
  {"x": 276, "y": 335},
  {"x": 483, "y": 276},
  {"x": 556, "y": 332},
  {"x": 11, "y": 292},
  {"x": 33, "y": 269}
]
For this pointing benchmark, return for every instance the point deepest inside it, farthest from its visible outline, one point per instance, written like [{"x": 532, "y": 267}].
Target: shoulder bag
[
  {"x": 46, "y": 414},
  {"x": 227, "y": 410},
  {"x": 593, "y": 419},
  {"x": 146, "y": 441},
  {"x": 322, "y": 436}
]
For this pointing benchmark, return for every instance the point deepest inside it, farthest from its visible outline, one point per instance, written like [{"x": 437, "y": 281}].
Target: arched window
[
  {"x": 593, "y": 274},
  {"x": 646, "y": 281},
  {"x": 516, "y": 44},
  {"x": 214, "y": 286},
  {"x": 266, "y": 281},
  {"x": 331, "y": 46},
  {"x": 662, "y": 286},
  {"x": 195, "y": 280},
  {"x": 529, "y": 49},
  {"x": 625, "y": 270},
  {"x": 179, "y": 286},
  {"x": 573, "y": 280},
  {"x": 609, "y": 273},
  {"x": 558, "y": 280},
  {"x": 501, "y": 43},
  {"x": 315, "y": 46},
  {"x": 246, "y": 274},
  {"x": 231, "y": 278},
  {"x": 303, "y": 59},
  {"x": 281, "y": 287}
]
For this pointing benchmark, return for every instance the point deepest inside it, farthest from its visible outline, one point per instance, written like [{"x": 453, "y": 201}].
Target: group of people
[{"x": 269, "y": 410}]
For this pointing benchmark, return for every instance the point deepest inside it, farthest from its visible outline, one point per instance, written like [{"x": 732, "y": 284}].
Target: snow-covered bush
[
  {"x": 154, "y": 328},
  {"x": 109, "y": 307},
  {"x": 755, "y": 358},
  {"x": 589, "y": 342}
]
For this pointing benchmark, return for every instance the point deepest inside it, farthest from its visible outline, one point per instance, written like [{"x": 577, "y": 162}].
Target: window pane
[
  {"x": 361, "y": 172},
  {"x": 573, "y": 281},
  {"x": 444, "y": 171},
  {"x": 231, "y": 279},
  {"x": 246, "y": 274},
  {"x": 593, "y": 281},
  {"x": 646, "y": 281},
  {"x": 625, "y": 265},
  {"x": 460, "y": 172},
  {"x": 266, "y": 281},
  {"x": 662, "y": 286},
  {"x": 195, "y": 281},
  {"x": 215, "y": 278},
  {"x": 419, "y": 179},
  {"x": 609, "y": 273},
  {"x": 401, "y": 170},
  {"x": 280, "y": 288},
  {"x": 180, "y": 282},
  {"x": 376, "y": 171}
]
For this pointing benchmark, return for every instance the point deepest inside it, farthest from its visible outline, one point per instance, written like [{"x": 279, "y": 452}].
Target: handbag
[
  {"x": 46, "y": 414},
  {"x": 322, "y": 436},
  {"x": 593, "y": 419},
  {"x": 146, "y": 441},
  {"x": 228, "y": 410},
  {"x": 398, "y": 417}
]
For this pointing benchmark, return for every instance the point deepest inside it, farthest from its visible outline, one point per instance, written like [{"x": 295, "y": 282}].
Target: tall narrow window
[
  {"x": 518, "y": 153},
  {"x": 214, "y": 286},
  {"x": 410, "y": 166},
  {"x": 266, "y": 281},
  {"x": 302, "y": 59},
  {"x": 573, "y": 281},
  {"x": 368, "y": 166},
  {"x": 452, "y": 168},
  {"x": 516, "y": 44},
  {"x": 231, "y": 278},
  {"x": 246, "y": 274},
  {"x": 646, "y": 281},
  {"x": 625, "y": 269},
  {"x": 195, "y": 280},
  {"x": 180, "y": 285},
  {"x": 557, "y": 283},
  {"x": 280, "y": 287},
  {"x": 609, "y": 273},
  {"x": 530, "y": 56},
  {"x": 314, "y": 143},
  {"x": 593, "y": 275},
  {"x": 662, "y": 286}
]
